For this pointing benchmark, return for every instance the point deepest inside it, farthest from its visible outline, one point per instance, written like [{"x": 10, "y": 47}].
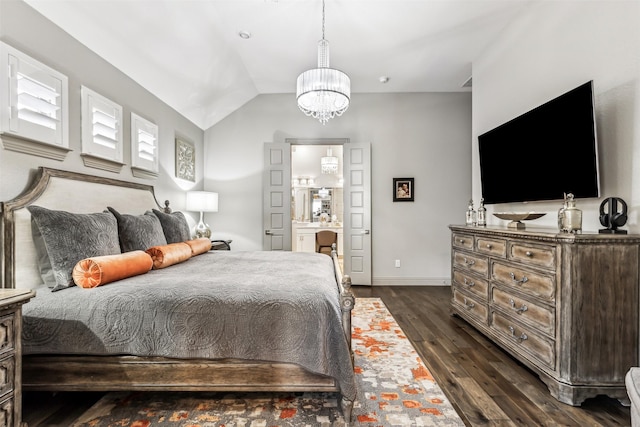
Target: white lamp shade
[{"x": 202, "y": 201}]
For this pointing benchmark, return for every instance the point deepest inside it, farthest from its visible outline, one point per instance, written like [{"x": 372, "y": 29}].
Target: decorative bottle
[
  {"x": 572, "y": 217},
  {"x": 471, "y": 214},
  {"x": 482, "y": 214},
  {"x": 561, "y": 212}
]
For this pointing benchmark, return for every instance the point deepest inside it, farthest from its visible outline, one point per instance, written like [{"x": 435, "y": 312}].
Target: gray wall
[
  {"x": 27, "y": 30},
  {"x": 550, "y": 49},
  {"x": 425, "y": 136}
]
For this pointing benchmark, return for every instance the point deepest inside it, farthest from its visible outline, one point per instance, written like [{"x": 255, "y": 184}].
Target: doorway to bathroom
[{"x": 280, "y": 209}]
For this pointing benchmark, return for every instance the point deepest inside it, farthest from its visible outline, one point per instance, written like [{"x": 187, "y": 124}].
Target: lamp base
[{"x": 203, "y": 230}]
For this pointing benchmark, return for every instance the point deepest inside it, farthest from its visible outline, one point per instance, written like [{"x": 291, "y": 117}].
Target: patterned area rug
[{"x": 394, "y": 389}]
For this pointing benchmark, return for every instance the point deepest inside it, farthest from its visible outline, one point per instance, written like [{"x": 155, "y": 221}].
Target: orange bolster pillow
[
  {"x": 166, "y": 255},
  {"x": 199, "y": 246},
  {"x": 100, "y": 270}
]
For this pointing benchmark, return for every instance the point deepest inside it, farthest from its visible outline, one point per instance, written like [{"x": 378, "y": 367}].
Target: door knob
[{"x": 268, "y": 232}]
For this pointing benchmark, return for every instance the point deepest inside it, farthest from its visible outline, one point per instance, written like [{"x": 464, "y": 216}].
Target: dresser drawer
[
  {"x": 469, "y": 262},
  {"x": 470, "y": 306},
  {"x": 536, "y": 255},
  {"x": 524, "y": 339},
  {"x": 463, "y": 241},
  {"x": 540, "y": 317},
  {"x": 528, "y": 281},
  {"x": 494, "y": 247},
  {"x": 7, "y": 375},
  {"x": 6, "y": 334},
  {"x": 6, "y": 412},
  {"x": 478, "y": 287}
]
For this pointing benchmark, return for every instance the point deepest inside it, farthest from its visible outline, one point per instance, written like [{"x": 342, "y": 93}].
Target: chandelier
[
  {"x": 329, "y": 163},
  {"x": 323, "y": 92}
]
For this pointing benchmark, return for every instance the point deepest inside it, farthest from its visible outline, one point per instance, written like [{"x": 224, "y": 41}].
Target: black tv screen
[{"x": 544, "y": 153}]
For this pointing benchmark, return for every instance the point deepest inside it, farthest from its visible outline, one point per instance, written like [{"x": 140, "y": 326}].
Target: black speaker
[{"x": 613, "y": 218}]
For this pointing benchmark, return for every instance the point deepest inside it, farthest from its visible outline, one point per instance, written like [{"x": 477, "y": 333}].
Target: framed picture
[
  {"x": 185, "y": 160},
  {"x": 403, "y": 189}
]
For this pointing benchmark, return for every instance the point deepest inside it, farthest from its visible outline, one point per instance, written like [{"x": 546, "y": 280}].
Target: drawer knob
[
  {"x": 521, "y": 281},
  {"x": 489, "y": 246},
  {"x": 461, "y": 241},
  {"x": 468, "y": 305},
  {"x": 520, "y": 338},
  {"x": 520, "y": 310},
  {"x": 468, "y": 262},
  {"x": 469, "y": 283},
  {"x": 528, "y": 253}
]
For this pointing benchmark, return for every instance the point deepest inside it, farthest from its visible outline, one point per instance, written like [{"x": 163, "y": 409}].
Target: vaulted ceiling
[{"x": 189, "y": 52}]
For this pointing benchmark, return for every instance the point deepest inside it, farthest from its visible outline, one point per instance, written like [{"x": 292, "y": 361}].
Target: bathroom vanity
[{"x": 303, "y": 235}]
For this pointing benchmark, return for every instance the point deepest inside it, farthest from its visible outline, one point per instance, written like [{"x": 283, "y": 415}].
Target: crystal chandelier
[
  {"x": 329, "y": 163},
  {"x": 323, "y": 92}
]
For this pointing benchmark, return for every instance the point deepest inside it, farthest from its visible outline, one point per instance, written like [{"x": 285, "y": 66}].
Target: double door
[{"x": 357, "y": 205}]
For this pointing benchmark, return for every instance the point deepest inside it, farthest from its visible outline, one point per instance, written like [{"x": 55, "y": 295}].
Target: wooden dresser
[
  {"x": 11, "y": 301},
  {"x": 565, "y": 305}
]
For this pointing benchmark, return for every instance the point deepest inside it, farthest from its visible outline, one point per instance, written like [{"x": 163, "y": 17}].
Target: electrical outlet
[{"x": 397, "y": 263}]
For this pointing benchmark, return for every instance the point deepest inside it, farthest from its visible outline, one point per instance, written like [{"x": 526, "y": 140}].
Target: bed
[{"x": 219, "y": 321}]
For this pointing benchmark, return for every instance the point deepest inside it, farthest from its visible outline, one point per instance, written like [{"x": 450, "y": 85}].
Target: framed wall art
[
  {"x": 403, "y": 189},
  {"x": 185, "y": 160}
]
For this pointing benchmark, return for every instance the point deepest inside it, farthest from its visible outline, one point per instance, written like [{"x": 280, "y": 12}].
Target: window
[
  {"x": 35, "y": 106},
  {"x": 144, "y": 147},
  {"x": 101, "y": 131}
]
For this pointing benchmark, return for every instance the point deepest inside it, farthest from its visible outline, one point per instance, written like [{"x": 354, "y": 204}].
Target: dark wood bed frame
[{"x": 112, "y": 373}]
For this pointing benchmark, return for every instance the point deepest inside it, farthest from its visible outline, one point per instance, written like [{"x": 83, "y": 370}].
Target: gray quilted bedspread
[{"x": 270, "y": 306}]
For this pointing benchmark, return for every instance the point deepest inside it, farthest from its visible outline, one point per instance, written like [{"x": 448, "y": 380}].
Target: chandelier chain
[{"x": 323, "y": 20}]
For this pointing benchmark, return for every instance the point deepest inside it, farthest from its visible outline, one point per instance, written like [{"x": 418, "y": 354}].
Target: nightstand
[
  {"x": 11, "y": 301},
  {"x": 221, "y": 245}
]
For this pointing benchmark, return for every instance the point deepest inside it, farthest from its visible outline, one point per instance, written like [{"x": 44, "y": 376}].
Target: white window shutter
[
  {"x": 35, "y": 106},
  {"x": 101, "y": 126},
  {"x": 144, "y": 144}
]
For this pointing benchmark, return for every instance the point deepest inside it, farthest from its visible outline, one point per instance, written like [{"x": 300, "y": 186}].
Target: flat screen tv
[{"x": 544, "y": 153}]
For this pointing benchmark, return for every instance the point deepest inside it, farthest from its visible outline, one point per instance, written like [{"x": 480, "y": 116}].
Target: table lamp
[{"x": 202, "y": 201}]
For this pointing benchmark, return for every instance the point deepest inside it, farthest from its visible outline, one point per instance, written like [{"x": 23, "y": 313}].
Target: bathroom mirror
[
  {"x": 308, "y": 203},
  {"x": 320, "y": 204}
]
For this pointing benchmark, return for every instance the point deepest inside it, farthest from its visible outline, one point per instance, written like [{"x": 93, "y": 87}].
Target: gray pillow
[
  {"x": 138, "y": 232},
  {"x": 44, "y": 263},
  {"x": 64, "y": 238},
  {"x": 175, "y": 226}
]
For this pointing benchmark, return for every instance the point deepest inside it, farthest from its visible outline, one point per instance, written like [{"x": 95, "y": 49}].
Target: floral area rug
[{"x": 394, "y": 389}]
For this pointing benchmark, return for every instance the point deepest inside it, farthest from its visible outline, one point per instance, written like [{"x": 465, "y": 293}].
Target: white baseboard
[{"x": 411, "y": 281}]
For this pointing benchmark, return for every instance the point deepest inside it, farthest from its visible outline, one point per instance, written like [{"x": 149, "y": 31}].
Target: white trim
[
  {"x": 36, "y": 148},
  {"x": 97, "y": 162},
  {"x": 143, "y": 173}
]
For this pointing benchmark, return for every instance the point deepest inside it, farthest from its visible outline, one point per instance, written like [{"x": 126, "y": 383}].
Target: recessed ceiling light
[
  {"x": 245, "y": 34},
  {"x": 383, "y": 79}
]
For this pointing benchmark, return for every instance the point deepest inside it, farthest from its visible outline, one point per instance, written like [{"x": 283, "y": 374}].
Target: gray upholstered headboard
[{"x": 60, "y": 190}]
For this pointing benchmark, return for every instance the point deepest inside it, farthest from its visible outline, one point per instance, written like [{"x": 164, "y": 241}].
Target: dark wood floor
[{"x": 485, "y": 385}]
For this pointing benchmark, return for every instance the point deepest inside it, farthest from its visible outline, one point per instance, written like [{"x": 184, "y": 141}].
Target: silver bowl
[{"x": 517, "y": 217}]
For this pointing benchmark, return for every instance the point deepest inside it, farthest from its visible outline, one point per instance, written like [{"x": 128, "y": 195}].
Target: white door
[
  {"x": 357, "y": 212},
  {"x": 276, "y": 205}
]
